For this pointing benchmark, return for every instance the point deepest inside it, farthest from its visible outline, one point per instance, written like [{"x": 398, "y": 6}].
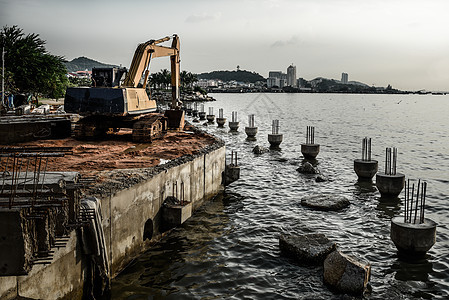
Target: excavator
[{"x": 118, "y": 98}]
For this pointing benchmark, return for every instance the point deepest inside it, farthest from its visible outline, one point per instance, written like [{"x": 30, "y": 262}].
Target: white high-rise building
[
  {"x": 291, "y": 76},
  {"x": 344, "y": 78}
]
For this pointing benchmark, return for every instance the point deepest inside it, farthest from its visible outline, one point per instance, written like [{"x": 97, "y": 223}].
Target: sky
[{"x": 396, "y": 42}]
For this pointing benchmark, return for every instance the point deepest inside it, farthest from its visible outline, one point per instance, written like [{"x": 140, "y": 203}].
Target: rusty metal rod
[{"x": 417, "y": 200}]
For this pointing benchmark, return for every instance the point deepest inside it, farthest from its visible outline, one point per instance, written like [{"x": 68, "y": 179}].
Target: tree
[{"x": 32, "y": 69}]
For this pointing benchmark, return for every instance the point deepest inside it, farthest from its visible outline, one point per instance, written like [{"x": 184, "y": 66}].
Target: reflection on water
[
  {"x": 229, "y": 248},
  {"x": 388, "y": 207}
]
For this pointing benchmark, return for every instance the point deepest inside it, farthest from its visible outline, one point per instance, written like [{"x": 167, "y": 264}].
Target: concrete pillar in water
[
  {"x": 232, "y": 170},
  {"x": 202, "y": 113},
  {"x": 310, "y": 150},
  {"x": 195, "y": 110},
  {"x": 391, "y": 183},
  {"x": 365, "y": 168},
  {"x": 413, "y": 234},
  {"x": 275, "y": 138},
  {"x": 234, "y": 125},
  {"x": 188, "y": 109},
  {"x": 221, "y": 120},
  {"x": 251, "y": 130},
  {"x": 210, "y": 117}
]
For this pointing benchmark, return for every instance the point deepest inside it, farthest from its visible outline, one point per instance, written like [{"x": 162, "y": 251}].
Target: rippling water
[{"x": 229, "y": 248}]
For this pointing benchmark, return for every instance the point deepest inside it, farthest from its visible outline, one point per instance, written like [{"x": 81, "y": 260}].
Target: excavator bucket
[{"x": 175, "y": 119}]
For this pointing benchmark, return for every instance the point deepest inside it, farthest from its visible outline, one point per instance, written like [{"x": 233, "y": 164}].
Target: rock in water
[
  {"x": 345, "y": 274},
  {"x": 325, "y": 202},
  {"x": 320, "y": 178},
  {"x": 259, "y": 150},
  {"x": 306, "y": 248},
  {"x": 307, "y": 168}
]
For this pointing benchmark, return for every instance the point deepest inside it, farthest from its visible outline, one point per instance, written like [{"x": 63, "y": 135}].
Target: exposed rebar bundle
[
  {"x": 310, "y": 135},
  {"x": 211, "y": 110},
  {"x": 234, "y": 159},
  {"x": 202, "y": 108},
  {"x": 251, "y": 120},
  {"x": 275, "y": 127},
  {"x": 23, "y": 175},
  {"x": 366, "y": 149},
  {"x": 195, "y": 106},
  {"x": 220, "y": 113},
  {"x": 391, "y": 155},
  {"x": 412, "y": 205},
  {"x": 234, "y": 116}
]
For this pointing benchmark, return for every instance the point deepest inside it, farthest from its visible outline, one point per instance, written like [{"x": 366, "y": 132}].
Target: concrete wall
[
  {"x": 126, "y": 211},
  {"x": 130, "y": 199},
  {"x": 62, "y": 277}
]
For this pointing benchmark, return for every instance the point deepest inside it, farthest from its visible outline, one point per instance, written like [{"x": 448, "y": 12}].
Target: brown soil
[{"x": 119, "y": 152}]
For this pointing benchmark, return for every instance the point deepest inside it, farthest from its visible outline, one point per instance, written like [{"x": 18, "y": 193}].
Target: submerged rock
[
  {"x": 259, "y": 150},
  {"x": 345, "y": 274},
  {"x": 306, "y": 248},
  {"x": 307, "y": 168},
  {"x": 325, "y": 202},
  {"x": 321, "y": 178}
]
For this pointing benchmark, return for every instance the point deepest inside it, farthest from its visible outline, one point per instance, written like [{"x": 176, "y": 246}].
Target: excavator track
[
  {"x": 145, "y": 128},
  {"x": 149, "y": 127},
  {"x": 86, "y": 129}
]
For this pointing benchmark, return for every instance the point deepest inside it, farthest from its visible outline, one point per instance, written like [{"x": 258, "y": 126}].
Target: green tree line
[
  {"x": 162, "y": 80},
  {"x": 29, "y": 68}
]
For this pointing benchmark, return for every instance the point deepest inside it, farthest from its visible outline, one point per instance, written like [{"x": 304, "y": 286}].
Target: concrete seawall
[{"x": 131, "y": 202}]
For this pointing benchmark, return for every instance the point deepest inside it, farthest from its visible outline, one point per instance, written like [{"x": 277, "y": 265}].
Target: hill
[
  {"x": 240, "y": 76},
  {"x": 84, "y": 63}
]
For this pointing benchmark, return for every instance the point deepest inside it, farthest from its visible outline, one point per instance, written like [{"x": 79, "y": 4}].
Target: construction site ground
[{"x": 119, "y": 152}]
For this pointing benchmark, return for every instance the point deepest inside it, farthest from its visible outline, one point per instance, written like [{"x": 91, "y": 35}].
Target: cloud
[
  {"x": 204, "y": 17},
  {"x": 294, "y": 40}
]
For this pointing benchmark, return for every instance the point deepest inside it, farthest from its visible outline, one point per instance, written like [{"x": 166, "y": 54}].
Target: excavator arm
[{"x": 142, "y": 58}]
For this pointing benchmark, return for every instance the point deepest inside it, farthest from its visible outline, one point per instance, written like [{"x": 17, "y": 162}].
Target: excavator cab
[{"x": 108, "y": 77}]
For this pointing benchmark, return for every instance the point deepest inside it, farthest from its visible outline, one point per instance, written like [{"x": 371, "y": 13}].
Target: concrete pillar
[
  {"x": 234, "y": 126},
  {"x": 390, "y": 185},
  {"x": 275, "y": 140},
  {"x": 413, "y": 239},
  {"x": 365, "y": 169},
  {"x": 195, "y": 113},
  {"x": 202, "y": 115},
  {"x": 310, "y": 151},
  {"x": 210, "y": 118},
  {"x": 221, "y": 122},
  {"x": 251, "y": 133}
]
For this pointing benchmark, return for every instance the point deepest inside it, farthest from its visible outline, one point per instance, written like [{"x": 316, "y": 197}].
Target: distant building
[
  {"x": 273, "y": 82},
  {"x": 291, "y": 76},
  {"x": 344, "y": 78},
  {"x": 276, "y": 79},
  {"x": 275, "y": 74}
]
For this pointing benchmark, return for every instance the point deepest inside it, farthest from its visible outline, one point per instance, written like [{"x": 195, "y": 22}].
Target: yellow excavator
[{"x": 113, "y": 102}]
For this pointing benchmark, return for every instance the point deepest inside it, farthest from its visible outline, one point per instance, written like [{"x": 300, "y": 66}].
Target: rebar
[
  {"x": 251, "y": 120},
  {"x": 195, "y": 106},
  {"x": 391, "y": 155},
  {"x": 234, "y": 116},
  {"x": 414, "y": 206},
  {"x": 310, "y": 135},
  {"x": 202, "y": 107},
  {"x": 220, "y": 113},
  {"x": 366, "y": 149},
  {"x": 24, "y": 174},
  {"x": 275, "y": 127},
  {"x": 211, "y": 110}
]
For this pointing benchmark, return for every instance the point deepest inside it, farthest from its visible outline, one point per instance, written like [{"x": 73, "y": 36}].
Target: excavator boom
[{"x": 142, "y": 58}]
